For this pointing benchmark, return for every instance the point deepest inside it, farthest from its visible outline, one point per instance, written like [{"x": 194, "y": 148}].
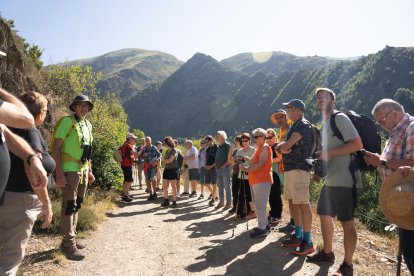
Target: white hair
[
  {"x": 387, "y": 105},
  {"x": 259, "y": 132},
  {"x": 222, "y": 133},
  {"x": 189, "y": 142}
]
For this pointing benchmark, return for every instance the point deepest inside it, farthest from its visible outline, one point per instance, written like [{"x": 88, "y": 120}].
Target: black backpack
[
  {"x": 371, "y": 140},
  {"x": 319, "y": 167},
  {"x": 180, "y": 160}
]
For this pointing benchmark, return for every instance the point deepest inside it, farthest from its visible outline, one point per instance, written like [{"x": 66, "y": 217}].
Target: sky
[{"x": 75, "y": 29}]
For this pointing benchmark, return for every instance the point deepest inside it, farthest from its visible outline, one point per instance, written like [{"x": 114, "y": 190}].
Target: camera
[
  {"x": 87, "y": 153},
  {"x": 240, "y": 160},
  {"x": 319, "y": 167}
]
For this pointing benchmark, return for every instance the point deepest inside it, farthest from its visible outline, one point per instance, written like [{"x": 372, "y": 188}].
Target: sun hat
[
  {"x": 278, "y": 112},
  {"x": 296, "y": 103},
  {"x": 81, "y": 98},
  {"x": 397, "y": 199}
]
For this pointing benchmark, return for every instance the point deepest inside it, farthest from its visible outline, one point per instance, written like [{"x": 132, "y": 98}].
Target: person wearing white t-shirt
[{"x": 191, "y": 159}]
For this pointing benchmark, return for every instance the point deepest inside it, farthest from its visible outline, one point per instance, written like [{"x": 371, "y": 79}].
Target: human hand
[
  {"x": 404, "y": 170},
  {"x": 91, "y": 177},
  {"x": 46, "y": 216},
  {"x": 246, "y": 158},
  {"x": 60, "y": 179},
  {"x": 36, "y": 174},
  {"x": 372, "y": 159}
]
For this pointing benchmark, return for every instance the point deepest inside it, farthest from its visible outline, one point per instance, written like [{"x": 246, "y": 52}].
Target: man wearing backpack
[
  {"x": 128, "y": 159},
  {"x": 398, "y": 152},
  {"x": 337, "y": 196},
  {"x": 72, "y": 150},
  {"x": 151, "y": 155},
  {"x": 296, "y": 149}
]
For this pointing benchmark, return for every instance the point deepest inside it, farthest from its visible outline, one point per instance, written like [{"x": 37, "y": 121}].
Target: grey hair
[
  {"x": 189, "y": 142},
  {"x": 387, "y": 105},
  {"x": 148, "y": 138},
  {"x": 222, "y": 133},
  {"x": 259, "y": 132}
]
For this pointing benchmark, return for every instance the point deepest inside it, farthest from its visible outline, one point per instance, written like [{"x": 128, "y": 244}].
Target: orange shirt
[{"x": 263, "y": 174}]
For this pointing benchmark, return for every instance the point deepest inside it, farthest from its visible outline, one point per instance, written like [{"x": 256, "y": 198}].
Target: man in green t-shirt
[{"x": 72, "y": 149}]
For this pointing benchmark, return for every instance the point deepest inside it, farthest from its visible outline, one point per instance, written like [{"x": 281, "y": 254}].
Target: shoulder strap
[
  {"x": 335, "y": 128},
  {"x": 72, "y": 127}
]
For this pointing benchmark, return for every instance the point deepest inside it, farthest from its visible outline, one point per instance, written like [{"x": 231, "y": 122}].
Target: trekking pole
[
  {"x": 399, "y": 256},
  {"x": 245, "y": 198}
]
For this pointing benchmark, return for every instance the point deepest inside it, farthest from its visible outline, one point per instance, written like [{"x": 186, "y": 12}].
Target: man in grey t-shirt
[{"x": 337, "y": 195}]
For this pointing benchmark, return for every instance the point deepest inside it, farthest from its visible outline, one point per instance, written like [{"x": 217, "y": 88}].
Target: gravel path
[{"x": 142, "y": 238}]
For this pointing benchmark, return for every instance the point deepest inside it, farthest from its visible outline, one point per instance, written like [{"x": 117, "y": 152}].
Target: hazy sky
[{"x": 75, "y": 29}]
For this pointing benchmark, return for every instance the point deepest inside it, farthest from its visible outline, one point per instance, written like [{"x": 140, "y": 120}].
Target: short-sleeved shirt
[
  {"x": 168, "y": 154},
  {"x": 202, "y": 158},
  {"x": 71, "y": 149},
  {"x": 295, "y": 160},
  {"x": 152, "y": 155},
  {"x": 18, "y": 181},
  {"x": 339, "y": 174},
  {"x": 211, "y": 155},
  {"x": 4, "y": 164},
  {"x": 249, "y": 154},
  {"x": 222, "y": 154},
  {"x": 192, "y": 163},
  {"x": 235, "y": 169},
  {"x": 128, "y": 157}
]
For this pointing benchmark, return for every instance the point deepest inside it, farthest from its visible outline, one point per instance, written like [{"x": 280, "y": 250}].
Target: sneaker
[
  {"x": 258, "y": 233},
  {"x": 228, "y": 206},
  {"x": 154, "y": 196},
  {"x": 201, "y": 196},
  {"x": 126, "y": 198},
  {"x": 304, "y": 249},
  {"x": 287, "y": 228},
  {"x": 174, "y": 204},
  {"x": 251, "y": 215},
  {"x": 166, "y": 203},
  {"x": 151, "y": 197},
  {"x": 72, "y": 253},
  {"x": 321, "y": 256},
  {"x": 211, "y": 202},
  {"x": 293, "y": 241},
  {"x": 130, "y": 196},
  {"x": 345, "y": 270},
  {"x": 220, "y": 205},
  {"x": 273, "y": 221},
  {"x": 210, "y": 196},
  {"x": 232, "y": 210},
  {"x": 185, "y": 194},
  {"x": 267, "y": 228},
  {"x": 193, "y": 194}
]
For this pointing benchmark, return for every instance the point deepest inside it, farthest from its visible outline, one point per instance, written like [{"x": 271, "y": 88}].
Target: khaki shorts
[{"x": 297, "y": 186}]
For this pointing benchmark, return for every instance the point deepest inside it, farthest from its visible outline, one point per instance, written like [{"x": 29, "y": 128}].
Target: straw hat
[
  {"x": 278, "y": 112},
  {"x": 397, "y": 199}
]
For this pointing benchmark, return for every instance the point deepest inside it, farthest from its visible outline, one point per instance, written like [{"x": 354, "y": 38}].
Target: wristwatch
[{"x": 30, "y": 158}]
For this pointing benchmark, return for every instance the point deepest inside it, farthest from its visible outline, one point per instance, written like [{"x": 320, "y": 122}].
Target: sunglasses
[{"x": 269, "y": 137}]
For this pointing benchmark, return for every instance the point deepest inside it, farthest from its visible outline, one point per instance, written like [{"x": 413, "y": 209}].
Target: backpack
[
  {"x": 72, "y": 128},
  {"x": 319, "y": 167},
  {"x": 180, "y": 160},
  {"x": 118, "y": 155},
  {"x": 371, "y": 140}
]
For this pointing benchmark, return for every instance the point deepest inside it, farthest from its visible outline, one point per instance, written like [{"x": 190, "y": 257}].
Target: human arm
[
  {"x": 35, "y": 171},
  {"x": 262, "y": 160},
  {"x": 278, "y": 157},
  {"x": 56, "y": 154},
  {"x": 228, "y": 160},
  {"x": 286, "y": 147},
  {"x": 374, "y": 159},
  {"x": 13, "y": 112}
]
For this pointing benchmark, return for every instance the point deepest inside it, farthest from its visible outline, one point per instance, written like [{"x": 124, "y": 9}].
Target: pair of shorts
[
  {"x": 202, "y": 179},
  {"x": 127, "y": 174},
  {"x": 170, "y": 174},
  {"x": 193, "y": 174},
  {"x": 297, "y": 186},
  {"x": 336, "y": 202},
  {"x": 150, "y": 173},
  {"x": 211, "y": 176}
]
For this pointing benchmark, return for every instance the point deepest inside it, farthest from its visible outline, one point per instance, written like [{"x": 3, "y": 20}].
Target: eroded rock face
[{"x": 14, "y": 68}]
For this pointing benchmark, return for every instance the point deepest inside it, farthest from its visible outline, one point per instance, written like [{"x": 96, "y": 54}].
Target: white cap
[{"x": 131, "y": 135}]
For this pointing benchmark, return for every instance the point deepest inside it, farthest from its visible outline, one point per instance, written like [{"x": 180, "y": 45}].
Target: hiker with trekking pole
[{"x": 398, "y": 152}]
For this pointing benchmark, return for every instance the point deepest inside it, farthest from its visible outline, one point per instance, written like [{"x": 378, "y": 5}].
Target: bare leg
[
  {"x": 127, "y": 186},
  {"x": 327, "y": 232},
  {"x": 194, "y": 185},
  {"x": 174, "y": 189},
  {"x": 350, "y": 240},
  {"x": 154, "y": 185},
  {"x": 165, "y": 184},
  {"x": 306, "y": 219}
]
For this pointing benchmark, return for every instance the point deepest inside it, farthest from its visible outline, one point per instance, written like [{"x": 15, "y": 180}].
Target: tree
[{"x": 35, "y": 54}]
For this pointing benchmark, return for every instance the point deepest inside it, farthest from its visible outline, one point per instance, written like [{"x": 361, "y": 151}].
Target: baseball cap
[
  {"x": 296, "y": 103},
  {"x": 131, "y": 135}
]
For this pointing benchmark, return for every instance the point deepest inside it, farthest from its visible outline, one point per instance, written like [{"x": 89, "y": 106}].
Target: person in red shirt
[{"x": 128, "y": 156}]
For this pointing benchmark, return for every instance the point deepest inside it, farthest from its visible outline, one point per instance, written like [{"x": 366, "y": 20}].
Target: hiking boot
[
  {"x": 72, "y": 253},
  {"x": 258, "y": 233},
  {"x": 293, "y": 241},
  {"x": 211, "y": 202},
  {"x": 200, "y": 197},
  {"x": 321, "y": 256},
  {"x": 154, "y": 196},
  {"x": 250, "y": 215},
  {"x": 232, "y": 210},
  {"x": 166, "y": 203},
  {"x": 151, "y": 197},
  {"x": 304, "y": 249},
  {"x": 288, "y": 228},
  {"x": 228, "y": 206},
  {"x": 220, "y": 205},
  {"x": 193, "y": 194},
  {"x": 80, "y": 245},
  {"x": 174, "y": 204},
  {"x": 345, "y": 270},
  {"x": 185, "y": 194},
  {"x": 126, "y": 198}
]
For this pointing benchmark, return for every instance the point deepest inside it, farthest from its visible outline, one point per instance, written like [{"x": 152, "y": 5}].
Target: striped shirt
[{"x": 400, "y": 145}]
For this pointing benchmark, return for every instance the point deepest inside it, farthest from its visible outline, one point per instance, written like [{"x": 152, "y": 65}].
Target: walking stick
[
  {"x": 399, "y": 256},
  {"x": 245, "y": 199}
]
